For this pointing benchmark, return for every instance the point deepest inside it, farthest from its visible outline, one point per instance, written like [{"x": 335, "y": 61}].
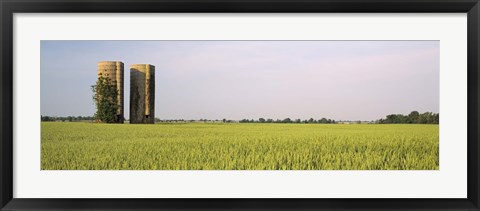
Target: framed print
[{"x": 255, "y": 105}]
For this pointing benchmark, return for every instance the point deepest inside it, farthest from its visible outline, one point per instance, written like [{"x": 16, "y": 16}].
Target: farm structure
[
  {"x": 114, "y": 71},
  {"x": 142, "y": 94}
]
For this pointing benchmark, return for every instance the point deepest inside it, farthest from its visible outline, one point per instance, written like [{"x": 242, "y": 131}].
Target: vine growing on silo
[{"x": 105, "y": 95}]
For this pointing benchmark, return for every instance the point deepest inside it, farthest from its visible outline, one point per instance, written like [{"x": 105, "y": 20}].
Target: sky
[{"x": 341, "y": 80}]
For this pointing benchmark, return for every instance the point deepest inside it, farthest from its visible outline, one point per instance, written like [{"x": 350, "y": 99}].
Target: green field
[{"x": 235, "y": 146}]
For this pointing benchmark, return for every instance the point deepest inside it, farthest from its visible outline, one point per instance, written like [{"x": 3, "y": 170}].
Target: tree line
[
  {"x": 413, "y": 118},
  {"x": 68, "y": 118},
  {"x": 288, "y": 120}
]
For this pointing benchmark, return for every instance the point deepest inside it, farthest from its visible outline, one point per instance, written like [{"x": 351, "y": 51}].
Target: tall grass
[{"x": 196, "y": 146}]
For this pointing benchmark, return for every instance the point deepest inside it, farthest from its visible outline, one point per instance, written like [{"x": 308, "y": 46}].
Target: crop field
[{"x": 236, "y": 146}]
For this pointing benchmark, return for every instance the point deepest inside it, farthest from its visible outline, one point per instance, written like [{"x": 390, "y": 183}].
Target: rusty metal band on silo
[
  {"x": 152, "y": 94},
  {"x": 119, "y": 79},
  {"x": 147, "y": 89}
]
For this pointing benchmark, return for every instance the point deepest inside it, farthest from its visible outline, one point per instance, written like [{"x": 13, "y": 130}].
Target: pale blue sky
[{"x": 342, "y": 80}]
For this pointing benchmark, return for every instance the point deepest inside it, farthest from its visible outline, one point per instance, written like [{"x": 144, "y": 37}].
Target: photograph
[{"x": 239, "y": 104}]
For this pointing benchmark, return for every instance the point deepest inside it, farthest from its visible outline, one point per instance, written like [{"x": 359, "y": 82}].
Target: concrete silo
[
  {"x": 142, "y": 94},
  {"x": 114, "y": 71}
]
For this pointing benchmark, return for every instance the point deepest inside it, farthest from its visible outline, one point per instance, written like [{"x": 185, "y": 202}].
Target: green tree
[
  {"x": 105, "y": 98},
  {"x": 323, "y": 121},
  {"x": 46, "y": 119},
  {"x": 413, "y": 117}
]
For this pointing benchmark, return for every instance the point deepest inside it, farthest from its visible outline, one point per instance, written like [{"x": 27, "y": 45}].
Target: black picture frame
[{"x": 9, "y": 7}]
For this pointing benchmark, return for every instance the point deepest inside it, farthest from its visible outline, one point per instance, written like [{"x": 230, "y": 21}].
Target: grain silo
[
  {"x": 114, "y": 71},
  {"x": 142, "y": 94}
]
